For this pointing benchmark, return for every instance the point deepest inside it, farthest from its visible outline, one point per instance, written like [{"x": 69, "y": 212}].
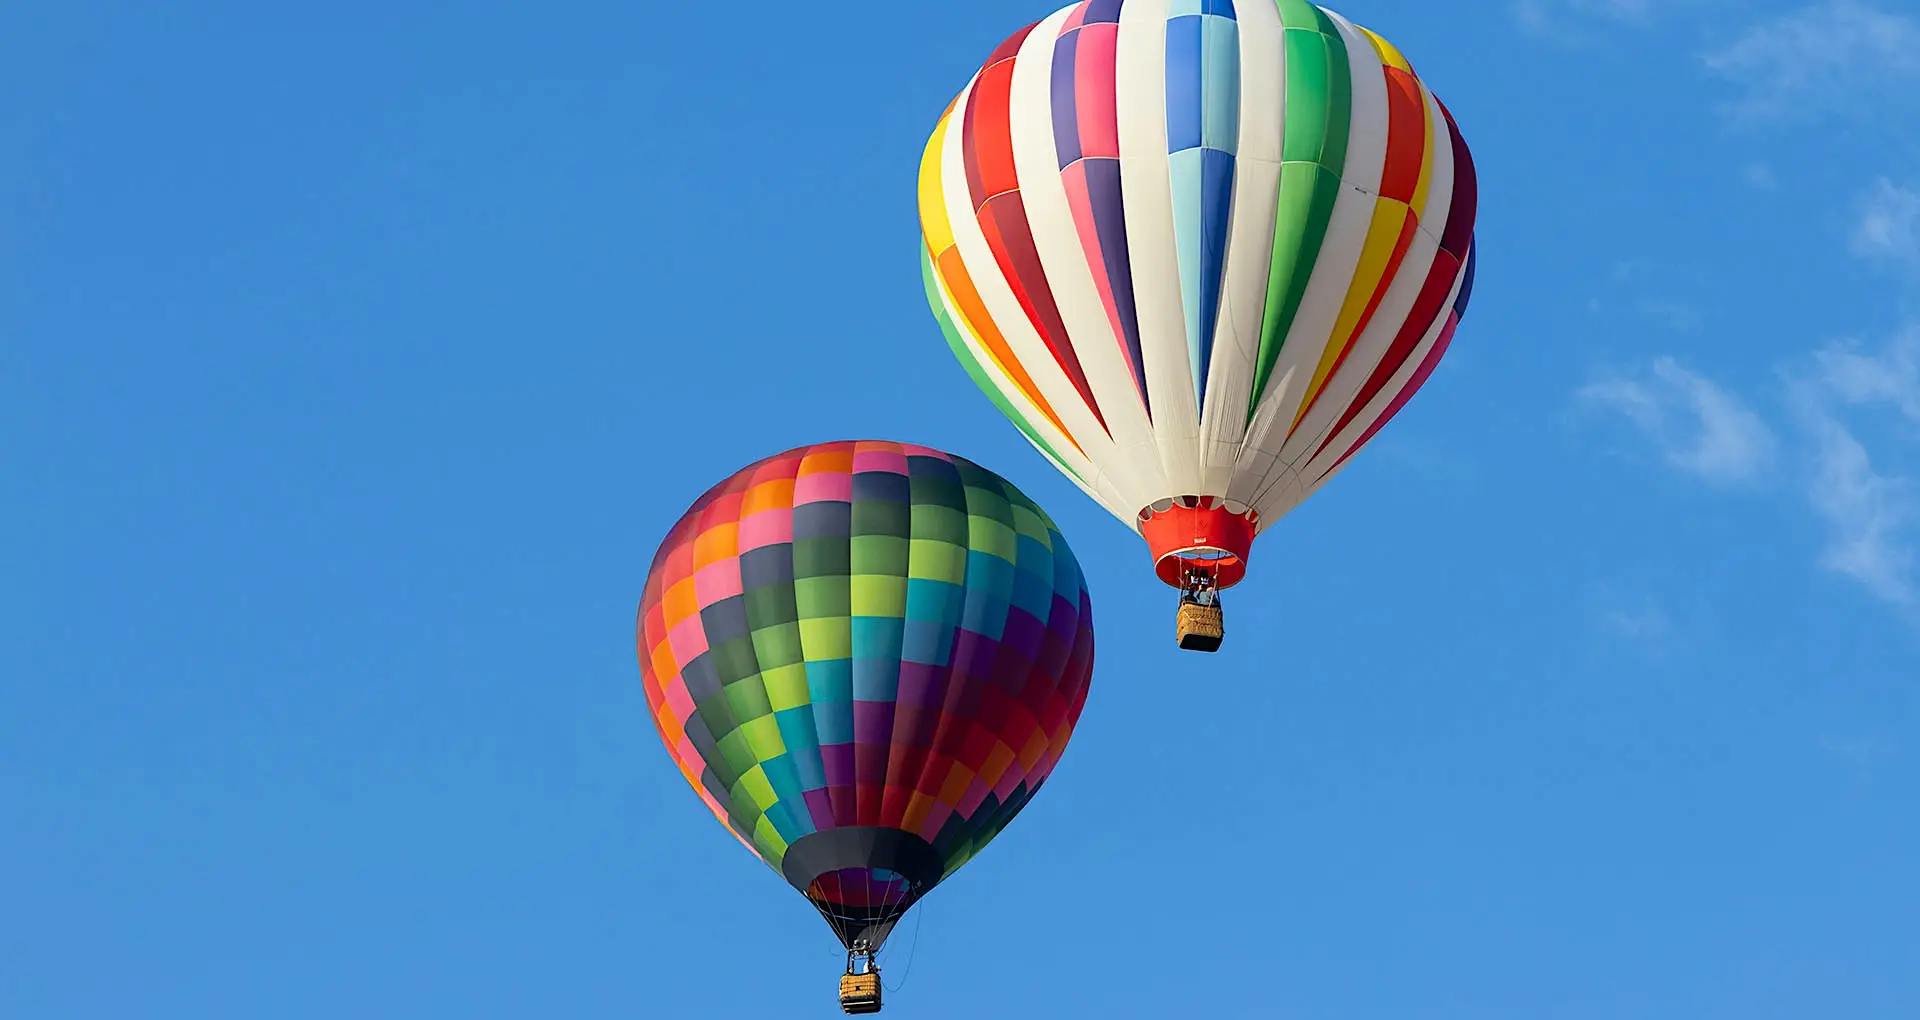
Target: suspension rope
[{"x": 912, "y": 950}]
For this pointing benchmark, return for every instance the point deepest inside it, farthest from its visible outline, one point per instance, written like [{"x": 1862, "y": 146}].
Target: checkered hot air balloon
[
  {"x": 865, "y": 657},
  {"x": 1199, "y": 251}
]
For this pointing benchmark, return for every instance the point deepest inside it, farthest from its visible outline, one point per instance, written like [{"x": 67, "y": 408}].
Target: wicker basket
[
  {"x": 1199, "y": 628},
  {"x": 860, "y": 993}
]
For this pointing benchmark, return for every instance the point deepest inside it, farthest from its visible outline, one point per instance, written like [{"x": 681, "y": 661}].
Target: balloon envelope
[
  {"x": 865, "y": 657},
  {"x": 1199, "y": 251}
]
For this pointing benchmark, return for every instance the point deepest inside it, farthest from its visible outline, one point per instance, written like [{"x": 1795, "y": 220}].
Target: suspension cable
[{"x": 912, "y": 950}]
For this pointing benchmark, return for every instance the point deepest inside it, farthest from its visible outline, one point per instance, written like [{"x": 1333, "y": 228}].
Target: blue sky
[{"x": 354, "y": 358}]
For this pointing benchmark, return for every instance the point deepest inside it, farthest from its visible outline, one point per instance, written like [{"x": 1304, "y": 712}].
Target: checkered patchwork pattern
[{"x": 865, "y": 633}]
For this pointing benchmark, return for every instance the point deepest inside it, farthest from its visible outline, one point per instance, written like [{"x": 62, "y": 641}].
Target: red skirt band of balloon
[{"x": 1199, "y": 533}]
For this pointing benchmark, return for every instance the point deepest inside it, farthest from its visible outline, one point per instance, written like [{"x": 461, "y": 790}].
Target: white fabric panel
[
  {"x": 1171, "y": 447},
  {"x": 1029, "y": 411},
  {"x": 1316, "y": 470},
  {"x": 1137, "y": 469},
  {"x": 1406, "y": 283},
  {"x": 1440, "y": 196},
  {"x": 1243, "y": 292},
  {"x": 1140, "y": 97},
  {"x": 1365, "y": 354},
  {"x": 1025, "y": 342},
  {"x": 1340, "y": 253},
  {"x": 1410, "y": 280}
]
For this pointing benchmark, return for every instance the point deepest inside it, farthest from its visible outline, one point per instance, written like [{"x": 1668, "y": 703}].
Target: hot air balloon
[
  {"x": 865, "y": 657},
  {"x": 1199, "y": 251}
]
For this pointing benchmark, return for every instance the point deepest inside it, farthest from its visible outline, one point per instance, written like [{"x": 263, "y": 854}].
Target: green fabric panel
[
  {"x": 1339, "y": 116},
  {"x": 787, "y": 685},
  {"x": 1319, "y": 99},
  {"x": 938, "y": 559},
  {"x": 770, "y": 606},
  {"x": 991, "y": 528},
  {"x": 1307, "y": 194},
  {"x": 882, "y": 595},
  {"x": 748, "y": 700},
  {"x": 820, "y": 557},
  {"x": 984, "y": 534},
  {"x": 823, "y": 598},
  {"x": 735, "y": 758},
  {"x": 1028, "y": 523},
  {"x": 718, "y": 716},
  {"x": 1319, "y": 119},
  {"x": 777, "y": 645},
  {"x": 756, "y": 789},
  {"x": 767, "y": 840},
  {"x": 742, "y": 803},
  {"x": 885, "y": 554},
  {"x": 1299, "y": 14},
  {"x": 880, "y": 519},
  {"x": 985, "y": 497},
  {"x": 946, "y": 522},
  {"x": 742, "y": 815},
  {"x": 828, "y": 638},
  {"x": 763, "y": 739},
  {"x": 733, "y": 660},
  {"x": 934, "y": 492}
]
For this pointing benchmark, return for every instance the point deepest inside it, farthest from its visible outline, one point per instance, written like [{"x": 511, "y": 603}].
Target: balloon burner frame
[
  {"x": 860, "y": 985},
  {"x": 1199, "y": 625}
]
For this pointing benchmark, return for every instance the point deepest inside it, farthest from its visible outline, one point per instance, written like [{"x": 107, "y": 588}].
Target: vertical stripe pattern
[
  {"x": 1198, "y": 247},
  {"x": 1087, "y": 141},
  {"x": 1203, "y": 121}
]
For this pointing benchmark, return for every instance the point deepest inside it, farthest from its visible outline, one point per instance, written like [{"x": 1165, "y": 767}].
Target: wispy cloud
[
  {"x": 1861, "y": 490},
  {"x": 1698, "y": 426},
  {"x": 1891, "y": 377},
  {"x": 1867, "y": 513},
  {"x": 1818, "y": 59},
  {"x": 1889, "y": 225}
]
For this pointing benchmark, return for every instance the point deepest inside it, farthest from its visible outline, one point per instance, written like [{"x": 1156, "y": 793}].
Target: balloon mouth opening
[
  {"x": 1199, "y": 534},
  {"x": 863, "y": 904},
  {"x": 1223, "y": 568},
  {"x": 861, "y": 888},
  {"x": 862, "y": 878}
]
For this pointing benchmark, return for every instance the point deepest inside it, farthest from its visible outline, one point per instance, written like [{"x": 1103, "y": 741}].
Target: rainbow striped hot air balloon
[
  {"x": 865, "y": 657},
  {"x": 1199, "y": 251}
]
